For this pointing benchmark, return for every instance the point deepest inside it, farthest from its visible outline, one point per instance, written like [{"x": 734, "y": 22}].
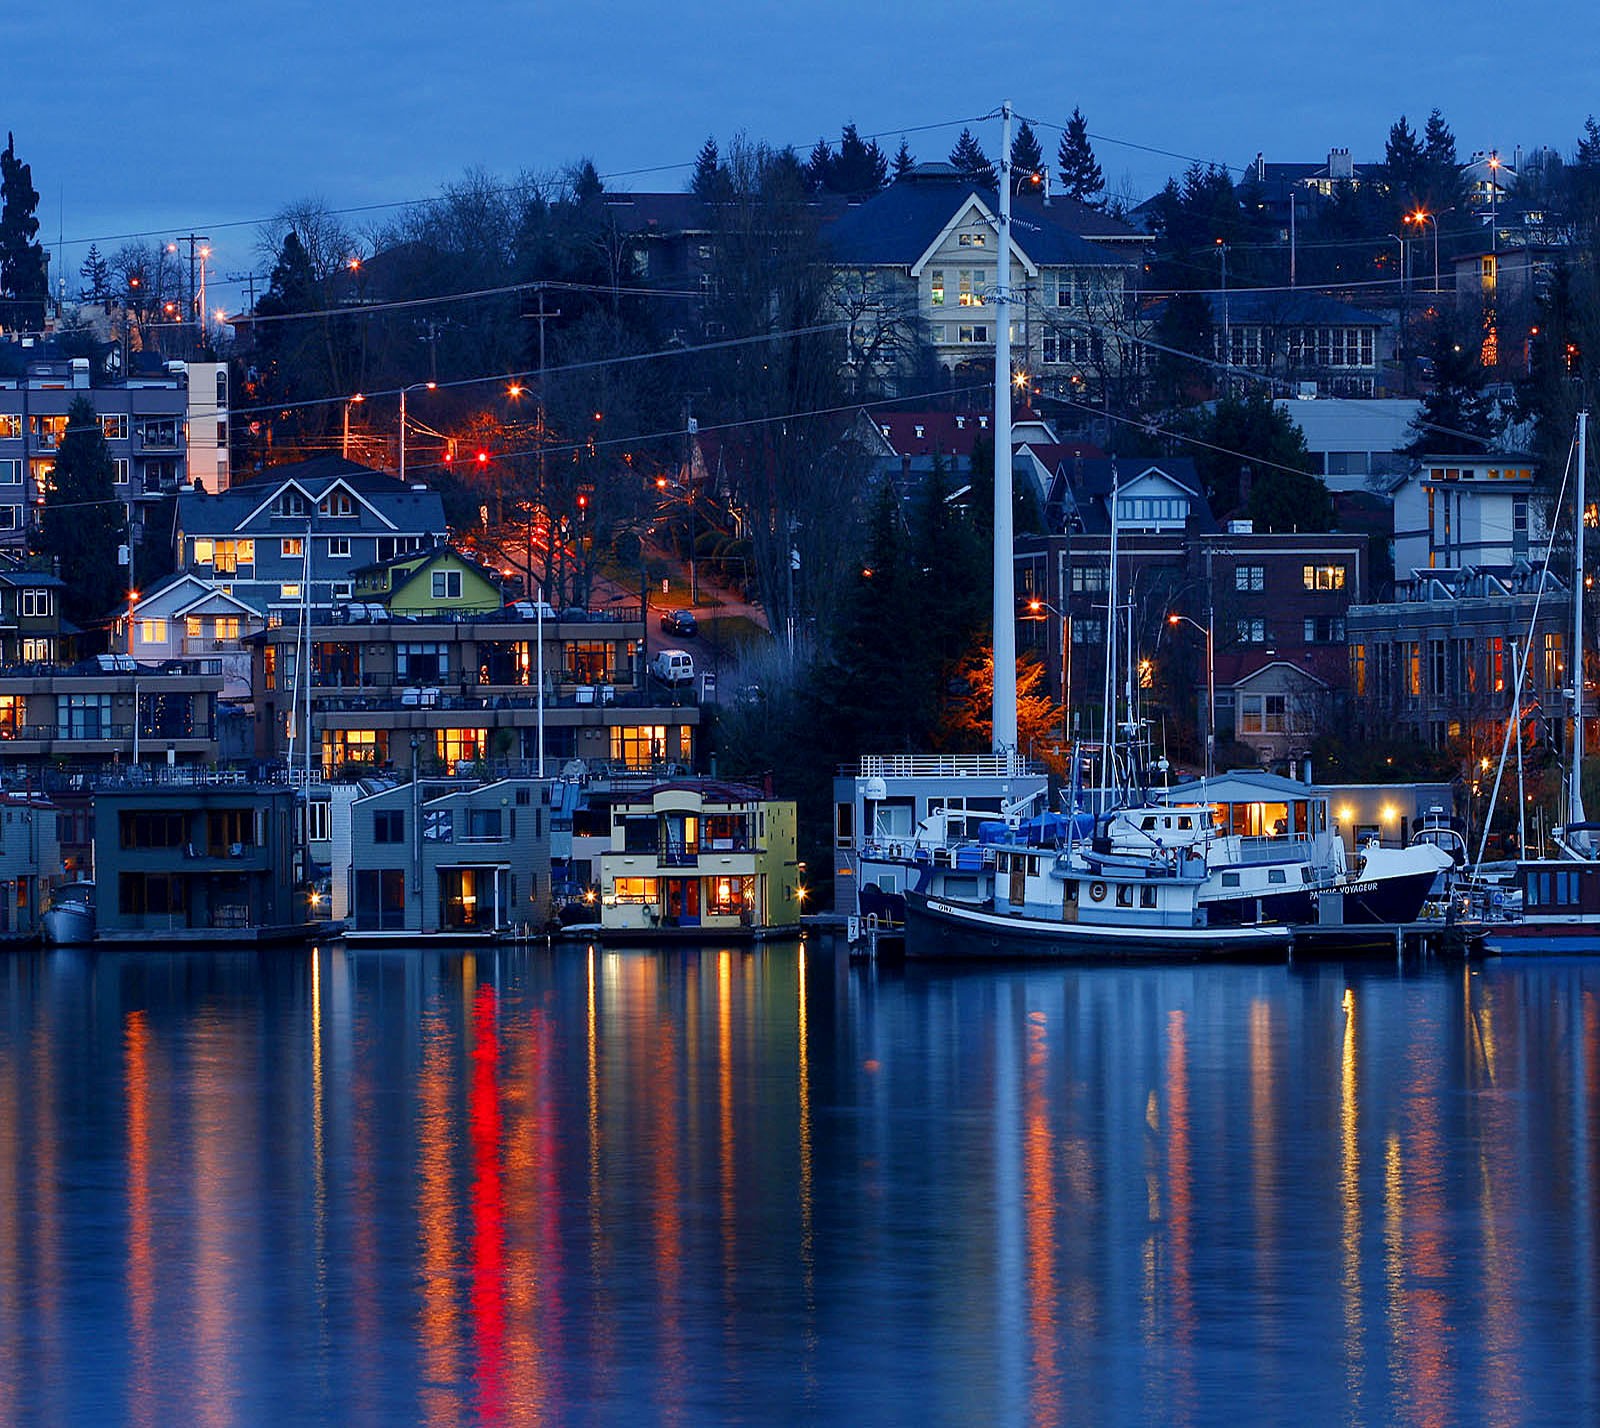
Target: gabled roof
[
  {"x": 419, "y": 560},
  {"x": 1283, "y": 308},
  {"x": 897, "y": 227},
  {"x": 400, "y": 507},
  {"x": 926, "y": 433}
]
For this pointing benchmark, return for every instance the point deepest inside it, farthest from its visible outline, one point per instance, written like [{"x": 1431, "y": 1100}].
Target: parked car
[{"x": 680, "y": 622}]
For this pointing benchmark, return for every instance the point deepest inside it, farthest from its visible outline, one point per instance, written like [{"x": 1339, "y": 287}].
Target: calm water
[{"x": 733, "y": 1186}]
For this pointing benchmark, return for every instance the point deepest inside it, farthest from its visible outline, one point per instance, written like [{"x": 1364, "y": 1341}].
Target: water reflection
[{"x": 704, "y": 1185}]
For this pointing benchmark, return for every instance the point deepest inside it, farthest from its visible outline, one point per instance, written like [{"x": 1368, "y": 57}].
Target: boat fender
[{"x": 1097, "y": 891}]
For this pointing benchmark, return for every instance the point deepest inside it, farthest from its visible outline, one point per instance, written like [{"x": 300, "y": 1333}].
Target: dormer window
[
  {"x": 919, "y": 433},
  {"x": 291, "y": 503},
  {"x": 336, "y": 503}
]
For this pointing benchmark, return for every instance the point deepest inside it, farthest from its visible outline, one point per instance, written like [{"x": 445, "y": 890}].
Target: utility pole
[
  {"x": 192, "y": 239},
  {"x": 542, "y": 316},
  {"x": 1227, "y": 329},
  {"x": 690, "y": 427}
]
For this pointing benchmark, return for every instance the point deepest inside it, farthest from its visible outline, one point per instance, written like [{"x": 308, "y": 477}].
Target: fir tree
[
  {"x": 1444, "y": 185},
  {"x": 1458, "y": 415},
  {"x": 859, "y": 169},
  {"x": 1075, "y": 162},
  {"x": 23, "y": 274},
  {"x": 704, "y": 182},
  {"x": 1027, "y": 160},
  {"x": 1405, "y": 163},
  {"x": 904, "y": 163},
  {"x": 96, "y": 274},
  {"x": 819, "y": 167},
  {"x": 970, "y": 160},
  {"x": 82, "y": 521}
]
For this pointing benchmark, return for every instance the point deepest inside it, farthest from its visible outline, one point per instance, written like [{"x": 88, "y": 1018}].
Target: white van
[{"x": 673, "y": 666}]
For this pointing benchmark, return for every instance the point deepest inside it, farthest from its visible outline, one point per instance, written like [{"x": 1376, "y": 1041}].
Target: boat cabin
[
  {"x": 1555, "y": 888},
  {"x": 1256, "y": 805}
]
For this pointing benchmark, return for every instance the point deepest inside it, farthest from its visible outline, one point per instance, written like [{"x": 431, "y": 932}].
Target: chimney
[
  {"x": 1339, "y": 165},
  {"x": 1261, "y": 167},
  {"x": 1245, "y": 478}
]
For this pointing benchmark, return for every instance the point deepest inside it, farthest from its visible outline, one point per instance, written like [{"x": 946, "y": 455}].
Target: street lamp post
[
  {"x": 1211, "y": 683},
  {"x": 1420, "y": 217},
  {"x": 414, "y": 387},
  {"x": 1036, "y": 607},
  {"x": 344, "y": 440}
]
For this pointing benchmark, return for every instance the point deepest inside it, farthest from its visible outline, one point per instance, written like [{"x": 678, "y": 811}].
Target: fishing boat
[{"x": 69, "y": 920}]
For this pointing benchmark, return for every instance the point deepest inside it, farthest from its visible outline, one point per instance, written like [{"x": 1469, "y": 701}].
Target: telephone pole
[{"x": 192, "y": 239}]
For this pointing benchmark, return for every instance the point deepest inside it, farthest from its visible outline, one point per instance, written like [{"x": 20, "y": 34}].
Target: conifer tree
[
  {"x": 23, "y": 278},
  {"x": 819, "y": 167},
  {"x": 1458, "y": 415},
  {"x": 1444, "y": 185},
  {"x": 1075, "y": 163},
  {"x": 859, "y": 169},
  {"x": 82, "y": 522},
  {"x": 1405, "y": 164},
  {"x": 703, "y": 182},
  {"x": 970, "y": 160},
  {"x": 1027, "y": 159},
  {"x": 903, "y": 162},
  {"x": 96, "y": 274}
]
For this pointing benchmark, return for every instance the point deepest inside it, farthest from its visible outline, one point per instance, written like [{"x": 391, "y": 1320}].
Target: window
[
  {"x": 421, "y": 662},
  {"x": 341, "y": 747},
  {"x": 380, "y": 899},
  {"x": 10, "y": 472},
  {"x": 115, "y": 427},
  {"x": 456, "y": 747},
  {"x": 38, "y": 650},
  {"x": 484, "y": 825},
  {"x": 290, "y": 503},
  {"x": 289, "y": 591},
  {"x": 10, "y": 425},
  {"x": 292, "y": 547},
  {"x": 589, "y": 662},
  {"x": 972, "y": 240},
  {"x": 1436, "y": 668},
  {"x": 1058, "y": 289},
  {"x": 83, "y": 716},
  {"x": 10, "y": 518},
  {"x": 336, "y": 503},
  {"x": 1323, "y": 577},
  {"x": 1263, "y": 713},
  {"x": 389, "y": 825},
  {"x": 224, "y": 556},
  {"x": 159, "y": 433},
  {"x": 447, "y": 585},
  {"x": 142, "y": 828},
  {"x": 36, "y": 602},
  {"x": 1090, "y": 631},
  {"x": 152, "y": 632},
  {"x": 119, "y": 470},
  {"x": 227, "y": 627},
  {"x": 1089, "y": 579},
  {"x": 972, "y": 332},
  {"x": 637, "y": 890},
  {"x": 228, "y": 829},
  {"x": 1411, "y": 655},
  {"x": 639, "y": 746},
  {"x": 936, "y": 278},
  {"x": 1324, "y": 631},
  {"x": 339, "y": 547},
  {"x": 192, "y": 627},
  {"x": 48, "y": 430},
  {"x": 1252, "y": 632},
  {"x": 319, "y": 821},
  {"x": 969, "y": 287},
  {"x": 152, "y": 894},
  {"x": 1250, "y": 577}
]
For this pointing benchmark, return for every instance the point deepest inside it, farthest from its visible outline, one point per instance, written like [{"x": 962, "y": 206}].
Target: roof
[
  {"x": 896, "y": 227},
  {"x": 1277, "y": 307},
  {"x": 925, "y": 433},
  {"x": 410, "y": 507},
  {"x": 1240, "y": 786}
]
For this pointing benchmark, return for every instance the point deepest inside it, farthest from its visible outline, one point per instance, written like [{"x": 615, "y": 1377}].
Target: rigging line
[
  {"x": 1515, "y": 718},
  {"x": 626, "y": 359}
]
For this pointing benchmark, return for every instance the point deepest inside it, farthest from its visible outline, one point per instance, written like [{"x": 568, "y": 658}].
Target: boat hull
[
  {"x": 68, "y": 925},
  {"x": 1542, "y": 938},
  {"x": 939, "y": 928}
]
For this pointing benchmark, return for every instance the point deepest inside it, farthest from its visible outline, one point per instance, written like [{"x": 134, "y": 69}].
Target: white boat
[{"x": 69, "y": 920}]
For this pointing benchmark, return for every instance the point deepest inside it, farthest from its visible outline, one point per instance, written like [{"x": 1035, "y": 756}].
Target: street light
[
  {"x": 1420, "y": 217},
  {"x": 1035, "y": 607},
  {"x": 414, "y": 387},
  {"x": 344, "y": 443},
  {"x": 1211, "y": 682}
]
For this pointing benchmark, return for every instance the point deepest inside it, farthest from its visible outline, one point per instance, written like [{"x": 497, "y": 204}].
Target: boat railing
[
  {"x": 943, "y": 766},
  {"x": 1283, "y": 848}
]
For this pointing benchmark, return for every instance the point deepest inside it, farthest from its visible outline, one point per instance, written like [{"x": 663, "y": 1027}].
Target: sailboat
[{"x": 1553, "y": 904}]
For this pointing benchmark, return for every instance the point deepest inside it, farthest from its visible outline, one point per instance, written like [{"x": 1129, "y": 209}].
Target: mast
[
  {"x": 1108, "y": 721},
  {"x": 1575, "y": 813},
  {"x": 1005, "y": 614}
]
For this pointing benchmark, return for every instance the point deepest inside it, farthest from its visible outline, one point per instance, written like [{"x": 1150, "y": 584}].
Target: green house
[{"x": 441, "y": 581}]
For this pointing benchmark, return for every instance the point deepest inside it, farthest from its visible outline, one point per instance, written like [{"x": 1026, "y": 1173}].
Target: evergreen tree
[
  {"x": 1583, "y": 178},
  {"x": 1444, "y": 184},
  {"x": 23, "y": 273},
  {"x": 1253, "y": 431},
  {"x": 860, "y": 168},
  {"x": 82, "y": 522},
  {"x": 1458, "y": 415},
  {"x": 819, "y": 167},
  {"x": 1027, "y": 160},
  {"x": 1075, "y": 163},
  {"x": 970, "y": 160},
  {"x": 1405, "y": 163},
  {"x": 903, "y": 162},
  {"x": 585, "y": 182},
  {"x": 705, "y": 181},
  {"x": 96, "y": 274}
]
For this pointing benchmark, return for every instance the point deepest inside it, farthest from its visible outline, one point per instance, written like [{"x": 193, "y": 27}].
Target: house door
[
  {"x": 1019, "y": 880},
  {"x": 683, "y": 902}
]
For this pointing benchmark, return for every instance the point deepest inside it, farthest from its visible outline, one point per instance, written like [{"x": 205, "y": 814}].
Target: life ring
[{"x": 1097, "y": 891}]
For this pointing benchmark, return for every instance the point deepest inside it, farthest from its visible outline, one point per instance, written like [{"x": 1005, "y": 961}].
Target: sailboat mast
[
  {"x": 1108, "y": 718},
  {"x": 1005, "y": 614},
  {"x": 1575, "y": 812}
]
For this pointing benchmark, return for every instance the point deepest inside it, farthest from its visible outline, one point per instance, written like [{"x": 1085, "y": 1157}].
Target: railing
[{"x": 940, "y": 766}]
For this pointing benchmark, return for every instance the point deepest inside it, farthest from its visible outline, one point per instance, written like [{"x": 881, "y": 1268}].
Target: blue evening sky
[{"x": 178, "y": 119}]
